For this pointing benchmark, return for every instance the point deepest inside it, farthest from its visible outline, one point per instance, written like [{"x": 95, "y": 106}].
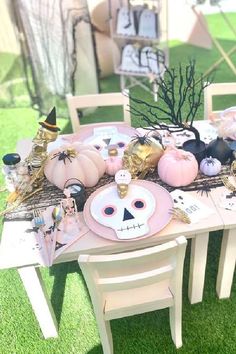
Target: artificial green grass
[{"x": 208, "y": 327}]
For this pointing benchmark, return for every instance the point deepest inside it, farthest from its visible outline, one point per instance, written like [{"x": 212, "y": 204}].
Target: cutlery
[{"x": 179, "y": 214}]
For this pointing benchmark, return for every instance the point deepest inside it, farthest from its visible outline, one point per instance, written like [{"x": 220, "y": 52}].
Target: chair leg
[
  {"x": 175, "y": 313},
  {"x": 104, "y": 328}
]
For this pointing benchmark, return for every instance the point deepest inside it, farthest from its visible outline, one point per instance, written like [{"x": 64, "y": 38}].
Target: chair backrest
[
  {"x": 97, "y": 100},
  {"x": 142, "y": 268},
  {"x": 216, "y": 89}
]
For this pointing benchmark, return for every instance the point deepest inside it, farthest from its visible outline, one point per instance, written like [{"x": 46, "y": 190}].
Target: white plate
[
  {"x": 129, "y": 216},
  {"x": 159, "y": 219},
  {"x": 104, "y": 136}
]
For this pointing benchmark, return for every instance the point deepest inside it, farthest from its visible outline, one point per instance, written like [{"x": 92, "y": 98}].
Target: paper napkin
[{"x": 195, "y": 209}]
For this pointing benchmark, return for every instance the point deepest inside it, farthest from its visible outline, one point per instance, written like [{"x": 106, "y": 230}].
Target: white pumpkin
[
  {"x": 77, "y": 160},
  {"x": 210, "y": 166}
]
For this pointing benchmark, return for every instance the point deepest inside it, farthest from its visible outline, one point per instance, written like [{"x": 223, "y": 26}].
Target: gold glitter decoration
[{"x": 142, "y": 155}]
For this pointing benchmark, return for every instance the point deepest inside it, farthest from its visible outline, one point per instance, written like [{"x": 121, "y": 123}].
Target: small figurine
[{"x": 47, "y": 133}]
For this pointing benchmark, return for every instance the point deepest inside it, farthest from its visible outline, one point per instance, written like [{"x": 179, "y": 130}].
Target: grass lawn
[{"x": 208, "y": 327}]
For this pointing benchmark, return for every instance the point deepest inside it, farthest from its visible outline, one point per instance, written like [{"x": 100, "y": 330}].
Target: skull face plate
[
  {"x": 128, "y": 217},
  {"x": 104, "y": 136}
]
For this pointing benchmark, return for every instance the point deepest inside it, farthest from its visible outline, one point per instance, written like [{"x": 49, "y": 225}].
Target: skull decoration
[
  {"x": 142, "y": 155},
  {"x": 129, "y": 216}
]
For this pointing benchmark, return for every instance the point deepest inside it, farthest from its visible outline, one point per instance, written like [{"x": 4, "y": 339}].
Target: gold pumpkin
[{"x": 142, "y": 155}]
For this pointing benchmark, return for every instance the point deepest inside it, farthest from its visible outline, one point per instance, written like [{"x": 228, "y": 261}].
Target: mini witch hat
[{"x": 50, "y": 122}]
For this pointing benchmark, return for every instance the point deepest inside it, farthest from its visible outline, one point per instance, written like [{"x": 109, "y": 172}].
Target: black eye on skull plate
[
  {"x": 109, "y": 210},
  {"x": 121, "y": 144},
  {"x": 138, "y": 204},
  {"x": 98, "y": 147}
]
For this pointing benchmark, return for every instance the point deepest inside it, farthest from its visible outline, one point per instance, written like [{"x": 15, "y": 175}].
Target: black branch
[{"x": 179, "y": 95}]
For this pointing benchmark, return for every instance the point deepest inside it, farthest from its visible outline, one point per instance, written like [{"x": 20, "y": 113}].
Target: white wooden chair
[
  {"x": 136, "y": 282},
  {"x": 97, "y": 100},
  {"x": 216, "y": 89}
]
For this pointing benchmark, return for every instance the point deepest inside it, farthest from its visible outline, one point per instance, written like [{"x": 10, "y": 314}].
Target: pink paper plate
[{"x": 160, "y": 218}]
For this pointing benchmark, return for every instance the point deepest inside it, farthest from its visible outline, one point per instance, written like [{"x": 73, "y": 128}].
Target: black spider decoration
[
  {"x": 204, "y": 188},
  {"x": 210, "y": 161},
  {"x": 142, "y": 140},
  {"x": 63, "y": 155},
  {"x": 184, "y": 134}
]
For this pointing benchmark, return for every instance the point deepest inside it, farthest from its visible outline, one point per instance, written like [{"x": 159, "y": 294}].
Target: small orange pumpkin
[{"x": 77, "y": 160}]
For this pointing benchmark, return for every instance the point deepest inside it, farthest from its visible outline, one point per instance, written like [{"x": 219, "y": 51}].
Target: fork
[
  {"x": 179, "y": 214},
  {"x": 38, "y": 219},
  {"x": 228, "y": 184}
]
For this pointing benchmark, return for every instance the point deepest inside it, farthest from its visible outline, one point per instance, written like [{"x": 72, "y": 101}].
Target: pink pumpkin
[
  {"x": 77, "y": 160},
  {"x": 113, "y": 164},
  {"x": 177, "y": 167}
]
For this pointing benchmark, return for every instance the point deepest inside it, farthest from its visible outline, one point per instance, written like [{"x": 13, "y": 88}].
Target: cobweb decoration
[{"x": 58, "y": 40}]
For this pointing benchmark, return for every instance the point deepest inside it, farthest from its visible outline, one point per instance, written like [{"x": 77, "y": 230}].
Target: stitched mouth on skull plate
[{"x": 131, "y": 227}]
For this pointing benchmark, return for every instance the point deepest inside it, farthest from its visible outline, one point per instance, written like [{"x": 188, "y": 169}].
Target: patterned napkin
[
  {"x": 227, "y": 200},
  {"x": 56, "y": 238},
  {"x": 195, "y": 209}
]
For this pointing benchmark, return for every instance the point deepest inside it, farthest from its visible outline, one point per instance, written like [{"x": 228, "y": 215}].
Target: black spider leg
[
  {"x": 55, "y": 155},
  {"x": 205, "y": 188},
  {"x": 64, "y": 158},
  {"x": 184, "y": 134}
]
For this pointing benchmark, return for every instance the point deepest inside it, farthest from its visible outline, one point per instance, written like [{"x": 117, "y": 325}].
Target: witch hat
[{"x": 50, "y": 122}]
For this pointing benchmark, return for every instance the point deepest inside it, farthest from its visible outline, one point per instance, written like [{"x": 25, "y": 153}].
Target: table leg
[
  {"x": 34, "y": 286},
  {"x": 198, "y": 260},
  {"x": 226, "y": 264}
]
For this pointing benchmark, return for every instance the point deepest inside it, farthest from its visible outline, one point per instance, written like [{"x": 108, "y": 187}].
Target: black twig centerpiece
[{"x": 179, "y": 98}]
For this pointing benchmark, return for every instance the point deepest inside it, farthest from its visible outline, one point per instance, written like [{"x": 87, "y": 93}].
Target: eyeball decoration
[
  {"x": 128, "y": 216},
  {"x": 210, "y": 166}
]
